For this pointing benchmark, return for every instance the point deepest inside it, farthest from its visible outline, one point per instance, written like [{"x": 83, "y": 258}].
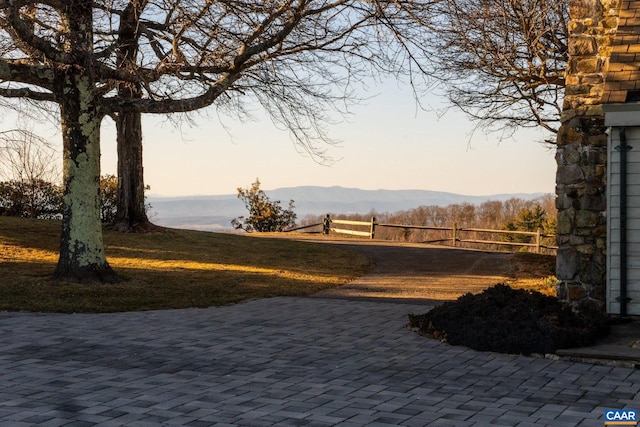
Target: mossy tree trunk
[{"x": 82, "y": 257}]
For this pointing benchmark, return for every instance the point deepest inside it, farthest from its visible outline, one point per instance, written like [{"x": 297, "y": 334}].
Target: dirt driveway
[{"x": 412, "y": 271}]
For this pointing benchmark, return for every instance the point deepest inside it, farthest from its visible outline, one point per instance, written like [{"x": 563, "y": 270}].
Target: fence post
[
  {"x": 326, "y": 224},
  {"x": 538, "y": 238},
  {"x": 454, "y": 236},
  {"x": 373, "y": 227}
]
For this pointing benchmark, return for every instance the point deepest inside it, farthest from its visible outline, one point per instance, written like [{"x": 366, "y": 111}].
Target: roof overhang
[{"x": 627, "y": 114}]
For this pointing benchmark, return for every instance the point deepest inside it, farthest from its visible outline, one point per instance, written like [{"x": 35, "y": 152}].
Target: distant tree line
[
  {"x": 514, "y": 214},
  {"x": 37, "y": 198}
]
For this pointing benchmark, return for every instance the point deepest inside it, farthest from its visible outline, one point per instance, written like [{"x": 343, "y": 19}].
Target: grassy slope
[{"x": 173, "y": 269}]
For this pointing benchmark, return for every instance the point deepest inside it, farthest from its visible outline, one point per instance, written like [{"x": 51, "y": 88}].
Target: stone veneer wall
[{"x": 582, "y": 155}]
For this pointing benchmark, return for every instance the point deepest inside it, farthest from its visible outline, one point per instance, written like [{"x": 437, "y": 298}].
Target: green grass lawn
[{"x": 169, "y": 269}]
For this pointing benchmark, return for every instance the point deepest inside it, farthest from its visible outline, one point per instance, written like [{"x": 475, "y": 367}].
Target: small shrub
[
  {"x": 514, "y": 321},
  {"x": 108, "y": 198},
  {"x": 264, "y": 215},
  {"x": 43, "y": 200},
  {"x": 31, "y": 199}
]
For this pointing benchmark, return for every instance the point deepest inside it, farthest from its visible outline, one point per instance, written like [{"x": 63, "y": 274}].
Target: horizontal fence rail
[
  {"x": 455, "y": 233},
  {"x": 304, "y": 227},
  {"x": 370, "y": 233}
]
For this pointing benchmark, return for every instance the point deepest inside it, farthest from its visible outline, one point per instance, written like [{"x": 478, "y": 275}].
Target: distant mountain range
[{"x": 214, "y": 213}]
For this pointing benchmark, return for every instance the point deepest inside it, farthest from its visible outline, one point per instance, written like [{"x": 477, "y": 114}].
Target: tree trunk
[
  {"x": 82, "y": 256},
  {"x": 131, "y": 215}
]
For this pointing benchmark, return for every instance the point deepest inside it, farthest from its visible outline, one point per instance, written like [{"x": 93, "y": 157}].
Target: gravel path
[{"x": 405, "y": 271}]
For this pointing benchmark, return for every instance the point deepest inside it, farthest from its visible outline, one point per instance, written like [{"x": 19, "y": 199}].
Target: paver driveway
[{"x": 285, "y": 362}]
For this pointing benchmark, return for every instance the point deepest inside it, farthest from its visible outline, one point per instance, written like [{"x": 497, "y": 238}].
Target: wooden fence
[{"x": 455, "y": 234}]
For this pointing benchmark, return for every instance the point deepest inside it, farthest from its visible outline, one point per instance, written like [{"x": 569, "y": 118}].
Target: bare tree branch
[
  {"x": 24, "y": 156},
  {"x": 502, "y": 62},
  {"x": 27, "y": 93}
]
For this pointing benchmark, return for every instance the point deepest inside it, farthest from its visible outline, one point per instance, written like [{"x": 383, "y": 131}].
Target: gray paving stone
[
  {"x": 482, "y": 419},
  {"x": 282, "y": 362}
]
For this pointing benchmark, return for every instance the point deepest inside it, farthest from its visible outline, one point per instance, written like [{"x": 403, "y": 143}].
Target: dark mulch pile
[{"x": 514, "y": 321}]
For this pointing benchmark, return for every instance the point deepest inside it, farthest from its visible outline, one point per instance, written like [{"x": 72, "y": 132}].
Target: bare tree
[
  {"x": 25, "y": 156},
  {"x": 298, "y": 58},
  {"x": 29, "y": 176},
  {"x": 502, "y": 62}
]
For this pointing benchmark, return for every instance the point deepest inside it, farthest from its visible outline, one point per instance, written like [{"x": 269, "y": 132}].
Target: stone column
[{"x": 582, "y": 156}]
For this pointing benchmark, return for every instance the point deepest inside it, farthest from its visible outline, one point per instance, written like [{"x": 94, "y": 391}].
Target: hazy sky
[{"x": 388, "y": 143}]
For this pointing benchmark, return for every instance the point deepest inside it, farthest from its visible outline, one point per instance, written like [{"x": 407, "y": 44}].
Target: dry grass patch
[
  {"x": 534, "y": 272},
  {"x": 169, "y": 269}
]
